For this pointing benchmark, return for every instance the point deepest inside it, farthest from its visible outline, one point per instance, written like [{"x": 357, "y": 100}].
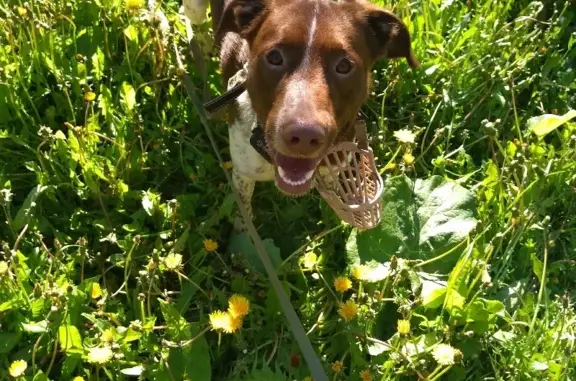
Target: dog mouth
[{"x": 294, "y": 175}]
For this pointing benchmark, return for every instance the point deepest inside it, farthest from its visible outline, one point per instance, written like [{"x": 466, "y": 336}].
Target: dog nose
[{"x": 303, "y": 138}]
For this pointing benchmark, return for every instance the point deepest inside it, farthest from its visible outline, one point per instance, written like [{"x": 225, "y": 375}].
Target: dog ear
[
  {"x": 242, "y": 17},
  {"x": 388, "y": 37}
]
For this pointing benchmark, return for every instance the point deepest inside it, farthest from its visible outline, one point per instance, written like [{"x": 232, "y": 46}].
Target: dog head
[{"x": 309, "y": 64}]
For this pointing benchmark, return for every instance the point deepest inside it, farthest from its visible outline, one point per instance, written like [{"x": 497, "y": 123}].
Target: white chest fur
[{"x": 246, "y": 161}]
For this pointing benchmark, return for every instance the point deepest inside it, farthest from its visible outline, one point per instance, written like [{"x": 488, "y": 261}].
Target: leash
[{"x": 304, "y": 343}]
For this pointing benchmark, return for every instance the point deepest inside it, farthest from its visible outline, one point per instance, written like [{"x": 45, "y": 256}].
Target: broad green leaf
[
  {"x": 27, "y": 208},
  {"x": 537, "y": 266},
  {"x": 495, "y": 307},
  {"x": 40, "y": 376},
  {"x": 242, "y": 244},
  {"x": 132, "y": 335},
  {"x": 128, "y": 96},
  {"x": 504, "y": 337},
  {"x": 181, "y": 242},
  {"x": 98, "y": 64},
  {"x": 134, "y": 371},
  {"x": 177, "y": 326},
  {"x": 454, "y": 300},
  {"x": 420, "y": 220},
  {"x": 148, "y": 204},
  {"x": 70, "y": 364},
  {"x": 544, "y": 124},
  {"x": 69, "y": 338},
  {"x": 433, "y": 290},
  {"x": 36, "y": 327},
  {"x": 476, "y": 312},
  {"x": 132, "y": 33},
  {"x": 262, "y": 374},
  {"x": 8, "y": 341}
]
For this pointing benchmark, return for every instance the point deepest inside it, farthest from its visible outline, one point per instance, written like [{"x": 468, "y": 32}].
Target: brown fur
[{"x": 358, "y": 30}]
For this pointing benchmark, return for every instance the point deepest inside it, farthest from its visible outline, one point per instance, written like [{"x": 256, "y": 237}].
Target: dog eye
[
  {"x": 274, "y": 58},
  {"x": 344, "y": 66}
]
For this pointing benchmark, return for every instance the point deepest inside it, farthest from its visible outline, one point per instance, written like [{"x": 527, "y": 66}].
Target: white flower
[{"x": 405, "y": 136}]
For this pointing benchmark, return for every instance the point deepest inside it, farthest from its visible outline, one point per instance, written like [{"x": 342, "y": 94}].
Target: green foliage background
[{"x": 106, "y": 175}]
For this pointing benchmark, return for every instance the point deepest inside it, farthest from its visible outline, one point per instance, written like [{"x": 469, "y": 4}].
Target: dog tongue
[{"x": 295, "y": 169}]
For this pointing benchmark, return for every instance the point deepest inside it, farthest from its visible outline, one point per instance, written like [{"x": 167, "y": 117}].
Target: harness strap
[{"x": 222, "y": 100}]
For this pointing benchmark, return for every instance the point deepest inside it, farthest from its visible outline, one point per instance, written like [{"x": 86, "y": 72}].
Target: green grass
[{"x": 107, "y": 177}]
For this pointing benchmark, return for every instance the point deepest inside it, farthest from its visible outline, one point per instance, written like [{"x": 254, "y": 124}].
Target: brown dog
[{"x": 306, "y": 65}]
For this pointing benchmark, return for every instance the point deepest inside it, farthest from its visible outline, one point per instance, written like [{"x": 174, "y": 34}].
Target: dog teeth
[{"x": 307, "y": 176}]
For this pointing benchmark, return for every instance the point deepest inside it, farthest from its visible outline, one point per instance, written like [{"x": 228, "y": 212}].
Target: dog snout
[{"x": 302, "y": 138}]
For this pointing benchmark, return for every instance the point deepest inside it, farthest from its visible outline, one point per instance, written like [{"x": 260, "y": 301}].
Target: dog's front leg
[{"x": 245, "y": 188}]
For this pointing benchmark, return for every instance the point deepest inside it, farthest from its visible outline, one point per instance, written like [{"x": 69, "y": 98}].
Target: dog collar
[{"x": 236, "y": 86}]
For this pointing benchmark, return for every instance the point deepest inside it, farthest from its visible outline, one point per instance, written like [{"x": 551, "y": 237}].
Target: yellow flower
[
  {"x": 309, "y": 260},
  {"x": 238, "y": 306},
  {"x": 308, "y": 378},
  {"x": 361, "y": 272},
  {"x": 78, "y": 378},
  {"x": 409, "y": 158},
  {"x": 173, "y": 261},
  {"x": 3, "y": 268},
  {"x": 100, "y": 355},
  {"x": 223, "y": 321},
  {"x": 342, "y": 284},
  {"x": 228, "y": 165},
  {"x": 22, "y": 11},
  {"x": 17, "y": 368},
  {"x": 134, "y": 5},
  {"x": 403, "y": 327},
  {"x": 390, "y": 167},
  {"x": 337, "y": 366},
  {"x": 96, "y": 291},
  {"x": 404, "y": 136},
  {"x": 365, "y": 375},
  {"x": 89, "y": 96},
  {"x": 348, "y": 310},
  {"x": 107, "y": 336},
  {"x": 444, "y": 354},
  {"x": 210, "y": 245}
]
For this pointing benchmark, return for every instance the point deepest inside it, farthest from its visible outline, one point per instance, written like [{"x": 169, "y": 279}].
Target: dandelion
[
  {"x": 17, "y": 368},
  {"x": 100, "y": 355},
  {"x": 134, "y": 5},
  {"x": 409, "y": 158},
  {"x": 210, "y": 245},
  {"x": 238, "y": 306},
  {"x": 228, "y": 165},
  {"x": 22, "y": 11},
  {"x": 404, "y": 136},
  {"x": 223, "y": 321},
  {"x": 444, "y": 354},
  {"x": 342, "y": 284},
  {"x": 365, "y": 375},
  {"x": 337, "y": 366},
  {"x": 3, "y": 268},
  {"x": 78, "y": 378},
  {"x": 348, "y": 310},
  {"x": 361, "y": 272},
  {"x": 309, "y": 260},
  {"x": 173, "y": 262},
  {"x": 403, "y": 327},
  {"x": 89, "y": 96}
]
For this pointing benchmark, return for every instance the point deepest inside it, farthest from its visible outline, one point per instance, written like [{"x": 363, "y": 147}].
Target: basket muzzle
[{"x": 347, "y": 179}]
